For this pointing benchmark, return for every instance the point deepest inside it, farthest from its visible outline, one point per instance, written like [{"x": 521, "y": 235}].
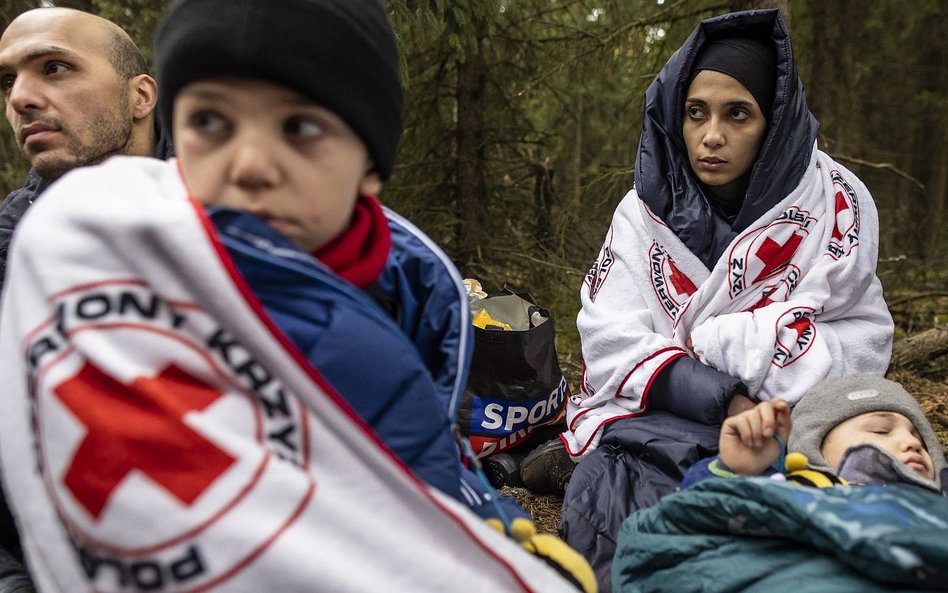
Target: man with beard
[{"x": 76, "y": 91}]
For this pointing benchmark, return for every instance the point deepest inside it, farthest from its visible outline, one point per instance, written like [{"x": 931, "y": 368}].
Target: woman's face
[{"x": 723, "y": 128}]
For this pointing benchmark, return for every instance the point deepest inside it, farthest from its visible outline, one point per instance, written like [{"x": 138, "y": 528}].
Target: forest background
[{"x": 522, "y": 121}]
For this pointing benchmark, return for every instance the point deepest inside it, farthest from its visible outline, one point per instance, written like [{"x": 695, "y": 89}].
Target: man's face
[
  {"x": 263, "y": 148},
  {"x": 65, "y": 102}
]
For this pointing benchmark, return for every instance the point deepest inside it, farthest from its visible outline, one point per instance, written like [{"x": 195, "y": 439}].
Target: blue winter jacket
[{"x": 398, "y": 353}]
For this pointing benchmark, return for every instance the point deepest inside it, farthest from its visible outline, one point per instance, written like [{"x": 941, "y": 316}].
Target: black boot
[
  {"x": 547, "y": 469},
  {"x": 503, "y": 469}
]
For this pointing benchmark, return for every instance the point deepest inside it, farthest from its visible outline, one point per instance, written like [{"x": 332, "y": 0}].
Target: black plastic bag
[{"x": 515, "y": 384}]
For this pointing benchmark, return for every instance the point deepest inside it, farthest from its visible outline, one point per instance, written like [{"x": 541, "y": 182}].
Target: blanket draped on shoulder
[
  {"x": 158, "y": 433},
  {"x": 759, "y": 534},
  {"x": 793, "y": 300}
]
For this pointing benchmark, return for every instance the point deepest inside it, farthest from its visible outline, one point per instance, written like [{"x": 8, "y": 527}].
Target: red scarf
[{"x": 360, "y": 252}]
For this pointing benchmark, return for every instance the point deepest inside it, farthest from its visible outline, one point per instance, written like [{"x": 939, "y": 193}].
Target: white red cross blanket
[
  {"x": 794, "y": 300},
  {"x": 158, "y": 434}
]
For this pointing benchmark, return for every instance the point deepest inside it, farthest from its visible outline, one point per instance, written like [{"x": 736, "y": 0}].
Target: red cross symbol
[
  {"x": 763, "y": 302},
  {"x": 682, "y": 283},
  {"x": 799, "y": 326},
  {"x": 841, "y": 206},
  {"x": 775, "y": 256},
  {"x": 139, "y": 426}
]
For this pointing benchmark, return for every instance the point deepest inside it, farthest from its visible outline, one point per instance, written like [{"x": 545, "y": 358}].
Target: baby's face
[
  {"x": 889, "y": 430},
  {"x": 263, "y": 148}
]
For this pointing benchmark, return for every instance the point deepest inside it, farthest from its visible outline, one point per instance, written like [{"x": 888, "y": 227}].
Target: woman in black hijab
[{"x": 741, "y": 267}]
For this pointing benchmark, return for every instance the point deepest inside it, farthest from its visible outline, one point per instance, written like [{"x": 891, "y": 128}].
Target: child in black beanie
[{"x": 291, "y": 111}]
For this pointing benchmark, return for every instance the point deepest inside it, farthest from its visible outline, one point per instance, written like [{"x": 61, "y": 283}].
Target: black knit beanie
[
  {"x": 752, "y": 62},
  {"x": 339, "y": 53}
]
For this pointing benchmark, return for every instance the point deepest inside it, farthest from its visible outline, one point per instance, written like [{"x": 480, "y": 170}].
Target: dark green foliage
[
  {"x": 523, "y": 117},
  {"x": 558, "y": 107}
]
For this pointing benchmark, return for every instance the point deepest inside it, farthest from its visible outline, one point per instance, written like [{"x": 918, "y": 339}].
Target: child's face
[
  {"x": 263, "y": 148},
  {"x": 892, "y": 431},
  {"x": 723, "y": 128}
]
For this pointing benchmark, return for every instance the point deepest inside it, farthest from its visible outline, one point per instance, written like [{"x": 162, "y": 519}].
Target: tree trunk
[
  {"x": 470, "y": 135},
  {"x": 578, "y": 150},
  {"x": 917, "y": 352},
  {"x": 938, "y": 191},
  {"x": 828, "y": 69},
  {"x": 935, "y": 85},
  {"x": 543, "y": 201}
]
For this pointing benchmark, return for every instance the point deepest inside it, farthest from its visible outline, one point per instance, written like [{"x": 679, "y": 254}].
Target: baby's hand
[{"x": 746, "y": 443}]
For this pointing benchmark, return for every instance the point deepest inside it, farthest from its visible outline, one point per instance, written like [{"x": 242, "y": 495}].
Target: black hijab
[{"x": 663, "y": 176}]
